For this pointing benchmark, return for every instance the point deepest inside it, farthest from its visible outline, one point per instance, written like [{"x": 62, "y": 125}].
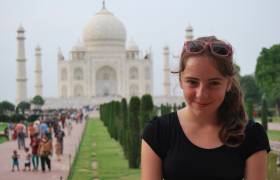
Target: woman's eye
[
  {"x": 214, "y": 83},
  {"x": 192, "y": 83}
]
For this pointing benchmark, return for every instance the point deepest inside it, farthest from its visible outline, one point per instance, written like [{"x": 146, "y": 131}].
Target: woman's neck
[{"x": 201, "y": 119}]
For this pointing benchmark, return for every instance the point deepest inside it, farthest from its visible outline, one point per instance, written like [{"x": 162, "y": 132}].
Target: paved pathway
[
  {"x": 60, "y": 170},
  {"x": 274, "y": 126},
  {"x": 275, "y": 146}
]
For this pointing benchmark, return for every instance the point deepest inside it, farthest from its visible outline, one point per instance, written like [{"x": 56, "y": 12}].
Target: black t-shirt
[{"x": 181, "y": 159}]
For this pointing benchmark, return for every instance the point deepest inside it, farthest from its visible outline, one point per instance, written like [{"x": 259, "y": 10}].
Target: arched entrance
[{"x": 106, "y": 81}]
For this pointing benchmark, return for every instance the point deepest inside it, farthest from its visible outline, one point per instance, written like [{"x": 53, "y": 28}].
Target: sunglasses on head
[{"x": 217, "y": 48}]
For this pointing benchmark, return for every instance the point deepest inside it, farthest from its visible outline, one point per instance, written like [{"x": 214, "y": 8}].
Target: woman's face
[{"x": 204, "y": 87}]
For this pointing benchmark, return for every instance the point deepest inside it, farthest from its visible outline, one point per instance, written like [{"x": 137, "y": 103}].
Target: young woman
[
  {"x": 210, "y": 138},
  {"x": 45, "y": 150}
]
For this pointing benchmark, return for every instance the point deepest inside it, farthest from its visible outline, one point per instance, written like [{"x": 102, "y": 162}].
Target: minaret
[
  {"x": 60, "y": 56},
  {"x": 21, "y": 80},
  {"x": 103, "y": 4},
  {"x": 166, "y": 72},
  {"x": 38, "y": 72},
  {"x": 189, "y": 33}
]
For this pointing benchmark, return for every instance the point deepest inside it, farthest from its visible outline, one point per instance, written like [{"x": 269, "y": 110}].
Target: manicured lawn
[
  {"x": 2, "y": 127},
  {"x": 81, "y": 168},
  {"x": 272, "y": 169},
  {"x": 273, "y": 135},
  {"x": 276, "y": 119},
  {"x": 2, "y": 139},
  {"x": 106, "y": 151}
]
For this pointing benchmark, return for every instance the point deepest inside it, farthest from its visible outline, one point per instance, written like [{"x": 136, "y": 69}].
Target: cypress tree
[
  {"x": 110, "y": 119},
  {"x": 134, "y": 135},
  {"x": 113, "y": 120},
  {"x": 124, "y": 128},
  {"x": 168, "y": 108},
  {"x": 162, "y": 109},
  {"x": 146, "y": 110},
  {"x": 174, "y": 107},
  {"x": 249, "y": 109},
  {"x": 264, "y": 112},
  {"x": 118, "y": 122}
]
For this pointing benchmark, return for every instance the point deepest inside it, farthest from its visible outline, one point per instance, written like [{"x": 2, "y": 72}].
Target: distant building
[{"x": 103, "y": 64}]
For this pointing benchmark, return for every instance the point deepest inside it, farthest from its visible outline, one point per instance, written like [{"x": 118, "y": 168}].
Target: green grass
[
  {"x": 110, "y": 157},
  {"x": 276, "y": 119},
  {"x": 273, "y": 135},
  {"x": 273, "y": 170},
  {"x": 81, "y": 168},
  {"x": 2, "y": 139},
  {"x": 2, "y": 127},
  {"x": 107, "y": 152}
]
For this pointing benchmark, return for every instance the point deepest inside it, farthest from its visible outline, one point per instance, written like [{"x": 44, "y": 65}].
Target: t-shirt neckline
[{"x": 185, "y": 137}]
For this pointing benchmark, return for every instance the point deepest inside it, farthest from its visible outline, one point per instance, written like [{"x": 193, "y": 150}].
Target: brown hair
[{"x": 231, "y": 113}]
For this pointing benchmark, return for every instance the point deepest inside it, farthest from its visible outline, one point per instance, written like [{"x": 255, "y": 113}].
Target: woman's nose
[{"x": 202, "y": 92}]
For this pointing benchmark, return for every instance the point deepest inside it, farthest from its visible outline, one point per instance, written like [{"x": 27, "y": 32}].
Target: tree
[
  {"x": 268, "y": 73},
  {"x": 264, "y": 112},
  {"x": 38, "y": 101},
  {"x": 146, "y": 110},
  {"x": 134, "y": 133},
  {"x": 124, "y": 130},
  {"x": 237, "y": 70},
  {"x": 250, "y": 109},
  {"x": 23, "y": 106},
  {"x": 6, "y": 107},
  {"x": 117, "y": 120},
  {"x": 250, "y": 89}
]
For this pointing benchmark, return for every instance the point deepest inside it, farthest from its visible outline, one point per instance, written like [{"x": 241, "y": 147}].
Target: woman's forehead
[{"x": 201, "y": 66}]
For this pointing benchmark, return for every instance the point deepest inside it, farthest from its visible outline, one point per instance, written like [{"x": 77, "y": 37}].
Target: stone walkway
[
  {"x": 274, "y": 126},
  {"x": 60, "y": 169},
  {"x": 275, "y": 146}
]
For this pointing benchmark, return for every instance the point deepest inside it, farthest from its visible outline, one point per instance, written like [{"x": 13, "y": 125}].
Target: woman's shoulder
[
  {"x": 164, "y": 121},
  {"x": 158, "y": 131},
  {"x": 255, "y": 138},
  {"x": 161, "y": 126},
  {"x": 253, "y": 127}
]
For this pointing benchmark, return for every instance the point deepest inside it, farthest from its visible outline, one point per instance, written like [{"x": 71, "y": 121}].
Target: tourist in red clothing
[{"x": 34, "y": 147}]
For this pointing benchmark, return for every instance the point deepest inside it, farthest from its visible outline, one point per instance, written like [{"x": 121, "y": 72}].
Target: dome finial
[{"x": 103, "y": 5}]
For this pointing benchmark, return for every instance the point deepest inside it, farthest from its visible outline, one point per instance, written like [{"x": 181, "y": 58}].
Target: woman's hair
[{"x": 231, "y": 113}]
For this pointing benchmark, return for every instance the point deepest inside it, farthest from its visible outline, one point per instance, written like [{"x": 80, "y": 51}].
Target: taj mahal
[{"x": 101, "y": 67}]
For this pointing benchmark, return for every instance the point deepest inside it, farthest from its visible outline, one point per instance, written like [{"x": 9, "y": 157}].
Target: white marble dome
[
  {"x": 78, "y": 47},
  {"x": 104, "y": 26},
  {"x": 131, "y": 46}
]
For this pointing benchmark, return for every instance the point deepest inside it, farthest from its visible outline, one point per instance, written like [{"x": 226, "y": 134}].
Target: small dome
[
  {"x": 104, "y": 26},
  {"x": 38, "y": 48},
  {"x": 131, "y": 46},
  {"x": 78, "y": 47},
  {"x": 189, "y": 27},
  {"x": 20, "y": 28}
]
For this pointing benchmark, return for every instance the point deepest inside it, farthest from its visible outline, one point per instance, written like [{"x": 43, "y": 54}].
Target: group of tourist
[{"x": 41, "y": 132}]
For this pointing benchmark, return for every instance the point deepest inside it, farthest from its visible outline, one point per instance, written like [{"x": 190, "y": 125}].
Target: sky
[{"x": 249, "y": 25}]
